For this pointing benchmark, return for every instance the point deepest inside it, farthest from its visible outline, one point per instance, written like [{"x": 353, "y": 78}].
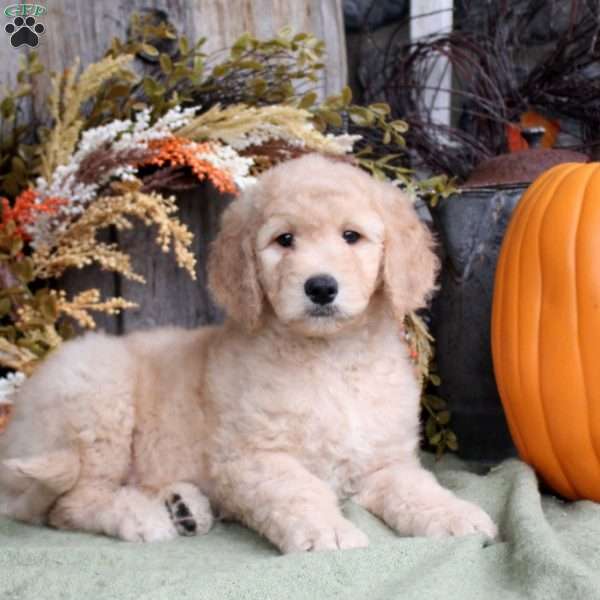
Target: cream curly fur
[{"x": 273, "y": 417}]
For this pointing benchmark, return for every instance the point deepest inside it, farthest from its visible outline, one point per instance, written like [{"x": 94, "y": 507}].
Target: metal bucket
[{"x": 471, "y": 226}]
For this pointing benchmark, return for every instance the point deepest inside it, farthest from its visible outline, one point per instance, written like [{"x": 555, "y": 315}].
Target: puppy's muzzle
[{"x": 321, "y": 289}]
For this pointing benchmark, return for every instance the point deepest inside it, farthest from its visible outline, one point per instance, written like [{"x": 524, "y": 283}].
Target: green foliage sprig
[
  {"x": 438, "y": 433},
  {"x": 437, "y": 430},
  {"x": 17, "y": 140}
]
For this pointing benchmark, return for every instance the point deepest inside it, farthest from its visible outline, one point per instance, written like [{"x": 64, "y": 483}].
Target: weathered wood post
[
  {"x": 84, "y": 29},
  {"x": 430, "y": 17}
]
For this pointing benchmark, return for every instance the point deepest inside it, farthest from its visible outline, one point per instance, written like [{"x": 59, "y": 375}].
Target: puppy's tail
[{"x": 29, "y": 486}]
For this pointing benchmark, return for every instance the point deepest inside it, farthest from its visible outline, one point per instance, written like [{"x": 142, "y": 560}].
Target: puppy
[{"x": 305, "y": 396}]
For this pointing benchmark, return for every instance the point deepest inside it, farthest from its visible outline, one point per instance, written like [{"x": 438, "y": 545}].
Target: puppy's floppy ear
[
  {"x": 410, "y": 265},
  {"x": 232, "y": 272}
]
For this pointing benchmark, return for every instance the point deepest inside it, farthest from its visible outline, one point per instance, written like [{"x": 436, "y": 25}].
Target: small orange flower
[
  {"x": 178, "y": 151},
  {"x": 25, "y": 209}
]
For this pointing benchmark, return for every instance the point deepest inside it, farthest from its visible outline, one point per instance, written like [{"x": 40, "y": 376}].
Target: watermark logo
[{"x": 25, "y": 28}]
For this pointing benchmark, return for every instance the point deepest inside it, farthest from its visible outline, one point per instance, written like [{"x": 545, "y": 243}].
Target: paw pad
[
  {"x": 24, "y": 32},
  {"x": 181, "y": 515}
]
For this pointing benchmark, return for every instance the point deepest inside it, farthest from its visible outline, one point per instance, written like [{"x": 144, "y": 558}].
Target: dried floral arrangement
[
  {"x": 514, "y": 64},
  {"x": 116, "y": 142}
]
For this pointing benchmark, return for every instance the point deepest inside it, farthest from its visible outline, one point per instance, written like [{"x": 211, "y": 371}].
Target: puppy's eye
[
  {"x": 351, "y": 237},
  {"x": 285, "y": 240}
]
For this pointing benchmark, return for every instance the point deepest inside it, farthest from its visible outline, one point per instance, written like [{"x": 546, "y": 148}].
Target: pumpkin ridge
[
  {"x": 500, "y": 308},
  {"x": 496, "y": 319},
  {"x": 501, "y": 347},
  {"x": 578, "y": 297},
  {"x": 532, "y": 221},
  {"x": 571, "y": 489},
  {"x": 521, "y": 232}
]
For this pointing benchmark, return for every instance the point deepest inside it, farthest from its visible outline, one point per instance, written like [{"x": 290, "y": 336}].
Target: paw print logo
[{"x": 24, "y": 32}]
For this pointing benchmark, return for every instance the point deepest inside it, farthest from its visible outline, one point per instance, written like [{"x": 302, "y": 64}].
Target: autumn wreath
[{"x": 116, "y": 140}]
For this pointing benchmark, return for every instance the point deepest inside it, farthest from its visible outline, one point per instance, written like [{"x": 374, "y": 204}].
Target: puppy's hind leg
[
  {"x": 29, "y": 486},
  {"x": 133, "y": 514},
  {"x": 102, "y": 502},
  {"x": 124, "y": 512}
]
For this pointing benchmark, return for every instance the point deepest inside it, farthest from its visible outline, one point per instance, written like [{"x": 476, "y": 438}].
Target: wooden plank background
[
  {"x": 84, "y": 28},
  {"x": 170, "y": 296}
]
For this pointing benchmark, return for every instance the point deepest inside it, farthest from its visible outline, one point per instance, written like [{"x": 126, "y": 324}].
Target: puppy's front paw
[
  {"x": 340, "y": 535},
  {"x": 454, "y": 518},
  {"x": 188, "y": 509}
]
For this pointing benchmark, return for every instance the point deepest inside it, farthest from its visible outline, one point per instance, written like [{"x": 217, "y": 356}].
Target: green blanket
[{"x": 548, "y": 549}]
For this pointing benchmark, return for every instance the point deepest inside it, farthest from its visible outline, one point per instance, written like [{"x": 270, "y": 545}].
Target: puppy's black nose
[{"x": 321, "y": 289}]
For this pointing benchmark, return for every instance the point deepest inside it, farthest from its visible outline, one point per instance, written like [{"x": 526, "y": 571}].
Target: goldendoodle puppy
[{"x": 307, "y": 395}]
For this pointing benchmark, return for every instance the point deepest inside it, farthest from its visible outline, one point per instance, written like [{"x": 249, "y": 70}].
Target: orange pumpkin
[{"x": 546, "y": 328}]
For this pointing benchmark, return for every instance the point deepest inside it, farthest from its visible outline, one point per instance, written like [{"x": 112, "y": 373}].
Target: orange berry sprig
[
  {"x": 178, "y": 151},
  {"x": 25, "y": 209}
]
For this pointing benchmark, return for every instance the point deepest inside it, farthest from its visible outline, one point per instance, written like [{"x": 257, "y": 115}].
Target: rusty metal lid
[{"x": 521, "y": 167}]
